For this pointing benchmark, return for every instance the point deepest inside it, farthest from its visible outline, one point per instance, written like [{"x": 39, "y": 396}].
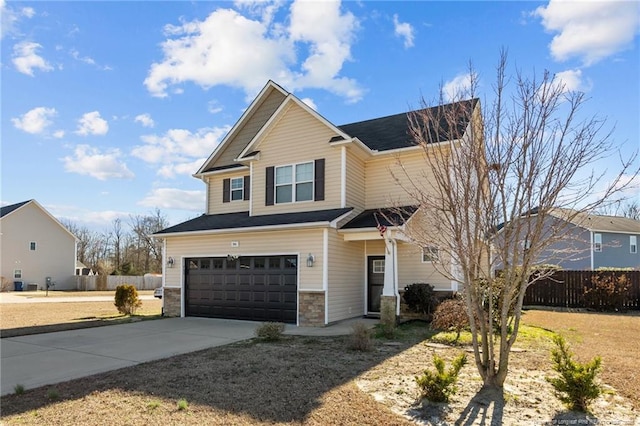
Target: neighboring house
[
  {"x": 35, "y": 247},
  {"x": 590, "y": 241},
  {"x": 293, "y": 205},
  {"x": 82, "y": 269}
]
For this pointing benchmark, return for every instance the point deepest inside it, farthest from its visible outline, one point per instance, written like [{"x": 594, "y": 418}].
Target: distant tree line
[{"x": 125, "y": 248}]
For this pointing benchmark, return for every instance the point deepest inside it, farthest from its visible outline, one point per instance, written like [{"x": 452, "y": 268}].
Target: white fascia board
[
  {"x": 247, "y": 113},
  {"x": 334, "y": 222},
  {"x": 293, "y": 226},
  {"x": 355, "y": 141},
  {"x": 415, "y": 148}
]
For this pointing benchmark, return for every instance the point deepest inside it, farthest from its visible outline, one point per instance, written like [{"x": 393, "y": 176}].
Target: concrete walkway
[{"x": 49, "y": 358}]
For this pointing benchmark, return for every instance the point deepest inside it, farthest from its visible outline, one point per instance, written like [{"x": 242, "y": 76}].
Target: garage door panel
[{"x": 261, "y": 288}]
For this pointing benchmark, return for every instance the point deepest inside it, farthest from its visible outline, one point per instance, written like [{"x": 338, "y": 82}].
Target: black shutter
[
  {"x": 247, "y": 185},
  {"x": 318, "y": 183},
  {"x": 268, "y": 198},
  {"x": 226, "y": 190}
]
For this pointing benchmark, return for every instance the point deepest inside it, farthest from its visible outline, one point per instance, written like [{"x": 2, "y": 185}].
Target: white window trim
[
  {"x": 633, "y": 244},
  {"x": 232, "y": 189},
  {"x": 434, "y": 254},
  {"x": 17, "y": 272},
  {"x": 293, "y": 183},
  {"x": 597, "y": 242},
  {"x": 378, "y": 266},
  {"x": 35, "y": 246}
]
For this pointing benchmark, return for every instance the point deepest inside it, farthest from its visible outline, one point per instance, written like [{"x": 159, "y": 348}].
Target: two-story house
[
  {"x": 592, "y": 241},
  {"x": 36, "y": 248},
  {"x": 293, "y": 210}
]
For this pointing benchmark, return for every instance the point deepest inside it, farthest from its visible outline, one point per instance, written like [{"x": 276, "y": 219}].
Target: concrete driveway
[{"x": 43, "y": 359}]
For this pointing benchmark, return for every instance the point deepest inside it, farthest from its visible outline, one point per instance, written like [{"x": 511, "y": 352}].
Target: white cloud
[
  {"x": 404, "y": 30},
  {"x": 10, "y": 17},
  {"x": 310, "y": 103},
  {"x": 88, "y": 60},
  {"x": 214, "y": 51},
  {"x": 92, "y": 124},
  {"x": 35, "y": 121},
  {"x": 58, "y": 134},
  {"x": 589, "y": 30},
  {"x": 571, "y": 81},
  {"x": 89, "y": 161},
  {"x": 171, "y": 198},
  {"x": 145, "y": 119},
  {"x": 213, "y": 107},
  {"x": 457, "y": 88},
  {"x": 188, "y": 168},
  {"x": 26, "y": 59},
  {"x": 179, "y": 145}
]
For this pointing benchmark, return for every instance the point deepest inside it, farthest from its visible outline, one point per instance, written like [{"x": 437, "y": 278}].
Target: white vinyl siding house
[{"x": 288, "y": 233}]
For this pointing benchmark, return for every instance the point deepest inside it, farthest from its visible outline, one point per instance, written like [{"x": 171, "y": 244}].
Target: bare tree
[
  {"x": 151, "y": 249},
  {"x": 488, "y": 190}
]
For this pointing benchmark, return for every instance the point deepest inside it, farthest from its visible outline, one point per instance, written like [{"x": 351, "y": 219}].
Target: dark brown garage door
[{"x": 259, "y": 288}]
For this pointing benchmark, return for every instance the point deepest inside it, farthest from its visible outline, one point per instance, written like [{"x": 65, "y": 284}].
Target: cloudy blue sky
[{"x": 109, "y": 107}]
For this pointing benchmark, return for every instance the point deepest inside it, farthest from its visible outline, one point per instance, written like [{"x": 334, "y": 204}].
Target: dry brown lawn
[
  {"x": 614, "y": 337},
  {"x": 319, "y": 381},
  {"x": 39, "y": 317}
]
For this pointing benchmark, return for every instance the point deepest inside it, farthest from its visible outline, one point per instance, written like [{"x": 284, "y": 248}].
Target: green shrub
[
  {"x": 576, "y": 385},
  {"x": 420, "y": 298},
  {"x": 127, "y": 300},
  {"x": 18, "y": 389},
  {"x": 53, "y": 395},
  {"x": 360, "y": 338},
  {"x": 608, "y": 293},
  {"x": 270, "y": 331},
  {"x": 183, "y": 405},
  {"x": 451, "y": 314},
  {"x": 438, "y": 386}
]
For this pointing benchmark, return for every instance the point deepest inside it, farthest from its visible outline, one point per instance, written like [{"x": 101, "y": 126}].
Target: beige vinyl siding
[
  {"x": 297, "y": 137},
  {"x": 214, "y": 186},
  {"x": 381, "y": 188},
  {"x": 355, "y": 181},
  {"x": 260, "y": 116},
  {"x": 411, "y": 269},
  {"x": 300, "y": 242},
  {"x": 54, "y": 256},
  {"x": 346, "y": 278}
]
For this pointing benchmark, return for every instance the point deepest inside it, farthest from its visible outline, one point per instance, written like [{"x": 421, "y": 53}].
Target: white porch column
[{"x": 390, "y": 261}]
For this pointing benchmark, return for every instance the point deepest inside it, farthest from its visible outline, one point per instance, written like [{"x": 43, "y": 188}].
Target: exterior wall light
[
  {"x": 310, "y": 260},
  {"x": 170, "y": 262}
]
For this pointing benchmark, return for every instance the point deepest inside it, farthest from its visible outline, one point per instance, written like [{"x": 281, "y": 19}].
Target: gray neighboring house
[
  {"x": 595, "y": 241},
  {"x": 35, "y": 246}
]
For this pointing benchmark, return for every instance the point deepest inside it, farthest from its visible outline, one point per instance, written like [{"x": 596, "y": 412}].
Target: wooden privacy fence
[
  {"x": 110, "y": 282},
  {"x": 567, "y": 289}
]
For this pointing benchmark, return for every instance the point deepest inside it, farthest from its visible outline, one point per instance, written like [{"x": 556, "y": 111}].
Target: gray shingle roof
[
  {"x": 8, "y": 209},
  {"x": 371, "y": 218},
  {"x": 392, "y": 132},
  {"x": 218, "y": 222}
]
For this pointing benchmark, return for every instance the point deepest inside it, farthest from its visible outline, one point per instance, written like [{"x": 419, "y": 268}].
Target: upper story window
[
  {"x": 633, "y": 244},
  {"x": 237, "y": 189},
  {"x": 32, "y": 246},
  {"x": 17, "y": 273},
  {"x": 430, "y": 254},
  {"x": 294, "y": 183},
  {"x": 597, "y": 242}
]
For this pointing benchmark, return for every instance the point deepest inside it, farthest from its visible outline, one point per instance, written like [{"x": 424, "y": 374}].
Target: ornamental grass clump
[
  {"x": 577, "y": 385},
  {"x": 360, "y": 338},
  {"x": 440, "y": 385}
]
